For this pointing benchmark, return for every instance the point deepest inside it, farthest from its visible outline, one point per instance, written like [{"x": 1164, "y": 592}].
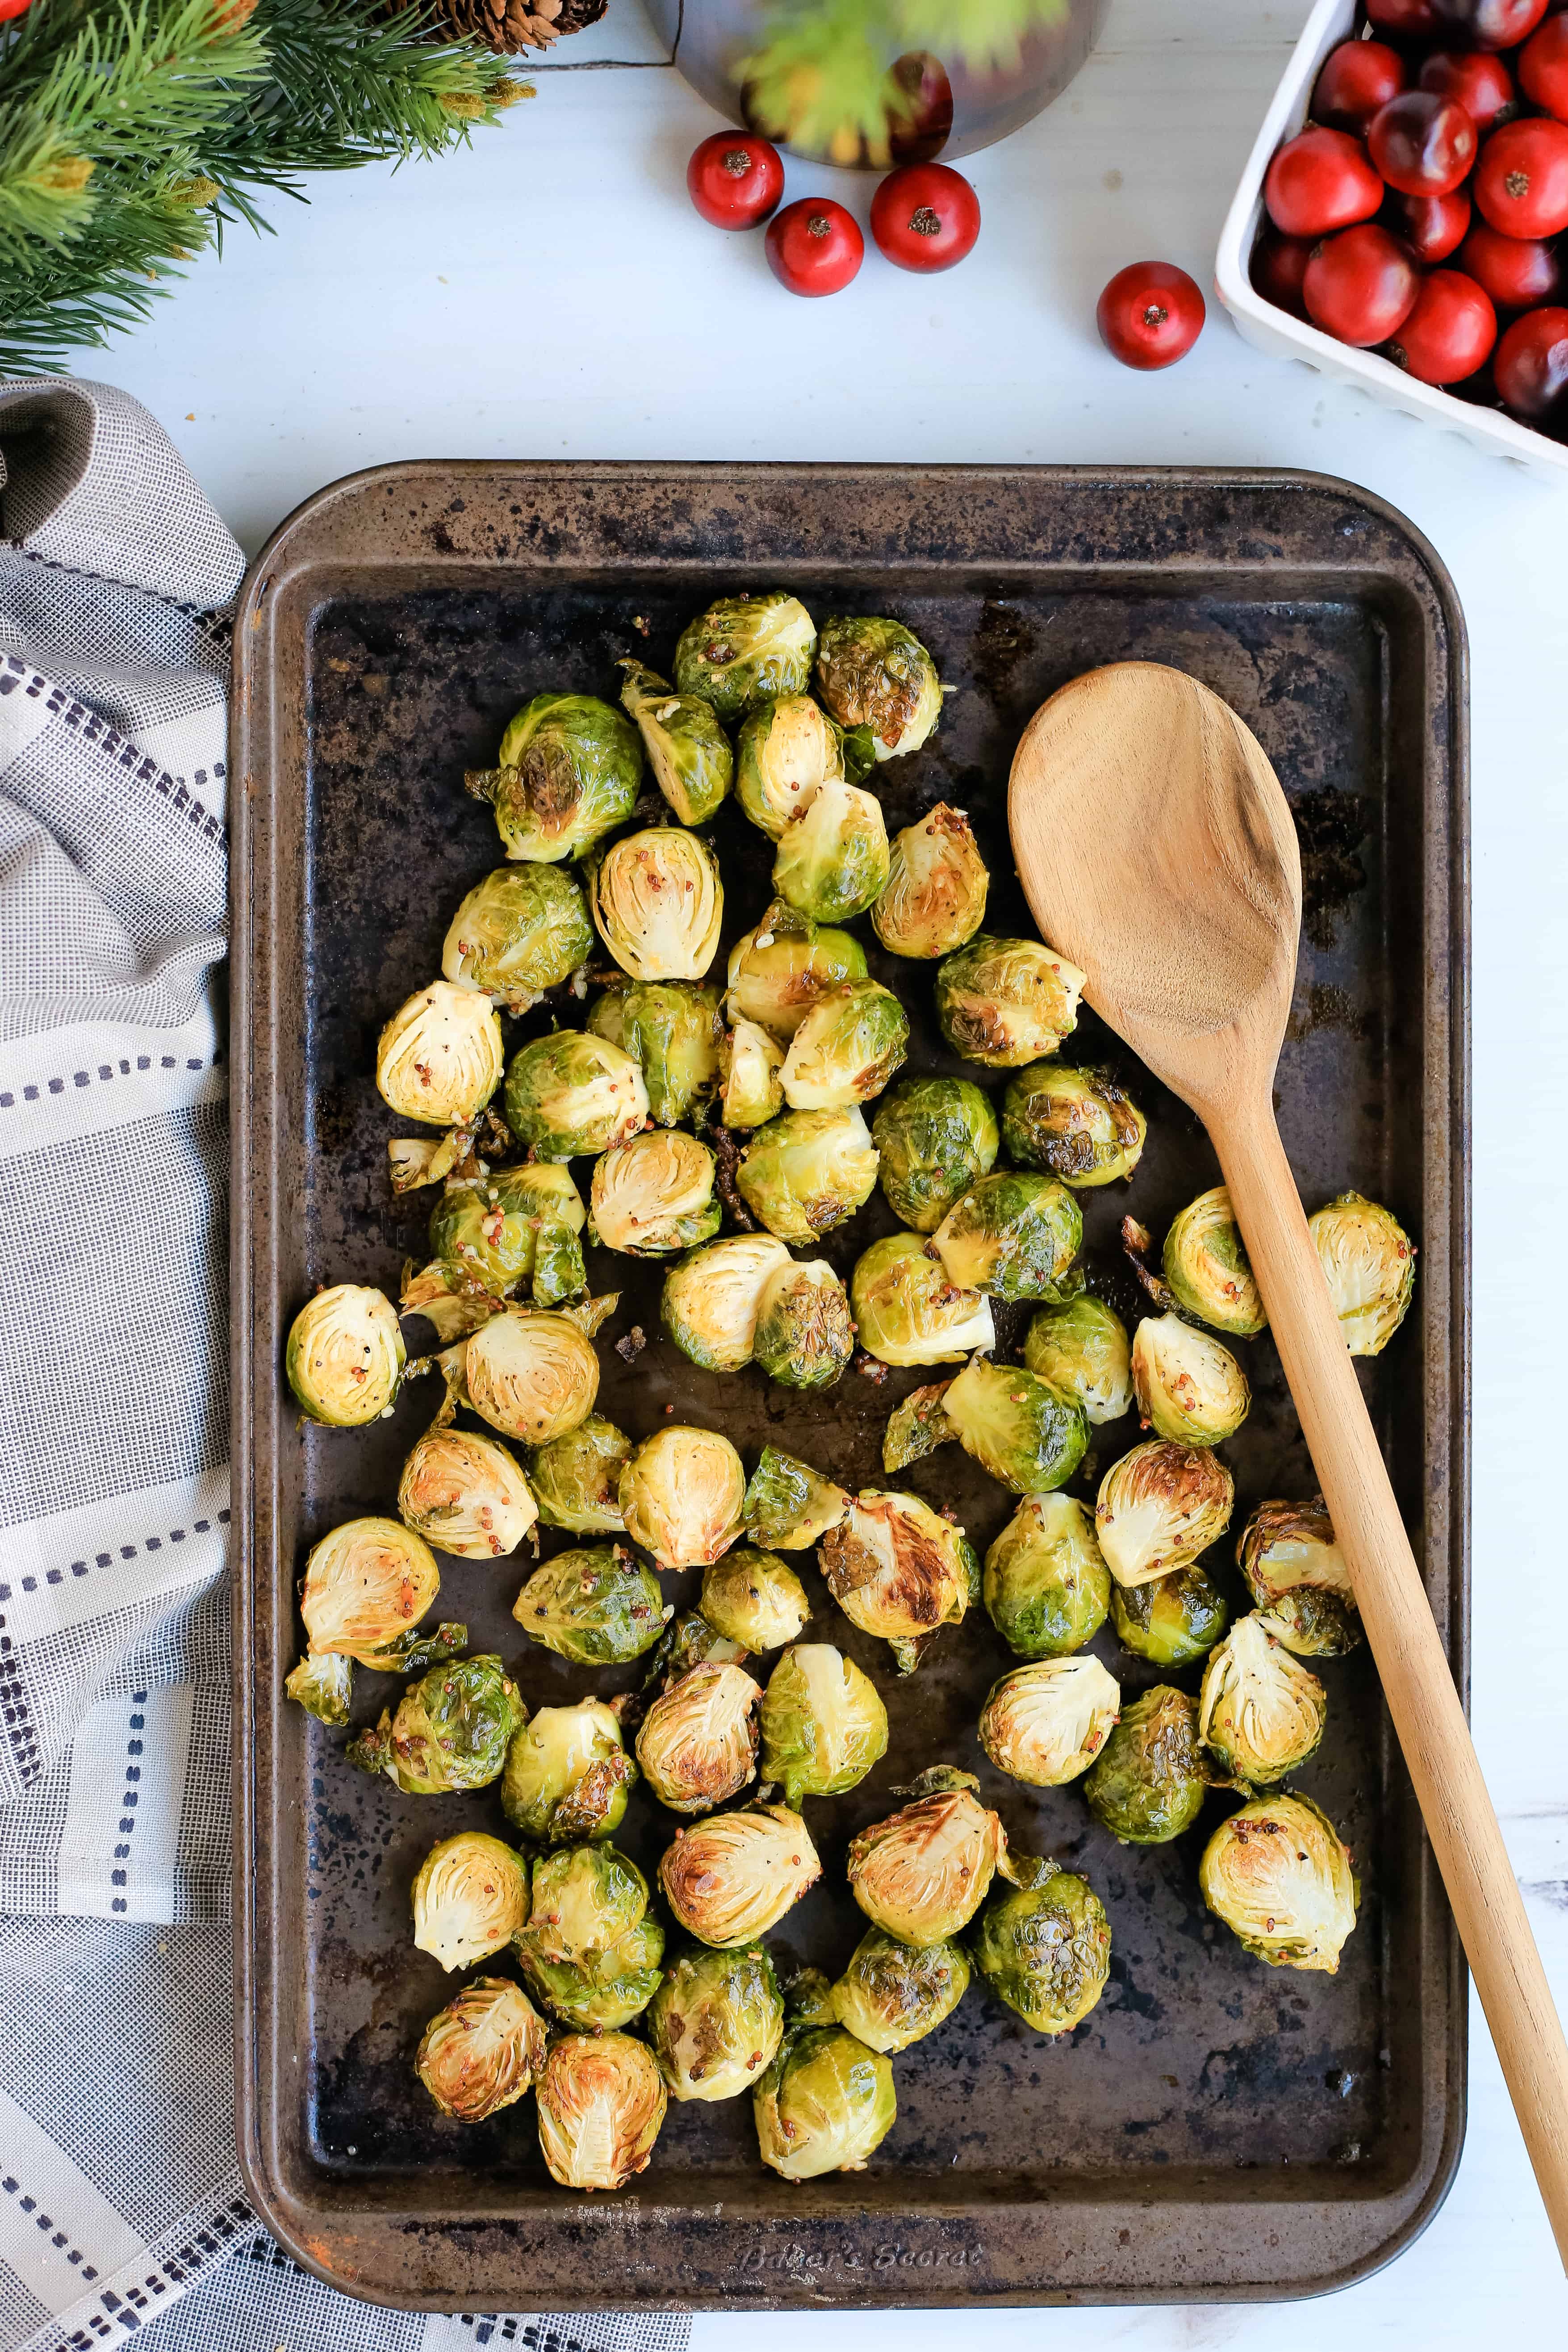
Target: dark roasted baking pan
[{"x": 1215, "y": 2128}]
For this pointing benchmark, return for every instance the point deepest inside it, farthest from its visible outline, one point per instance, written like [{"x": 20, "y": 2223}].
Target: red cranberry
[
  {"x": 1360, "y": 285},
  {"x": 1432, "y": 226},
  {"x": 1356, "y": 79},
  {"x": 1420, "y": 144},
  {"x": 1449, "y": 331},
  {"x": 1531, "y": 370},
  {"x": 1474, "y": 79},
  {"x": 1517, "y": 272}
]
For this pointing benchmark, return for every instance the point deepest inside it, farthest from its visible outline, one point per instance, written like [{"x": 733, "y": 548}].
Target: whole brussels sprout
[
  {"x": 1279, "y": 1874},
  {"x": 686, "y": 749},
  {"x": 788, "y": 1504},
  {"x": 490, "y": 1232},
  {"x": 716, "y": 2022},
  {"x": 746, "y": 650},
  {"x": 847, "y": 1048},
  {"x": 654, "y": 1194},
  {"x": 1369, "y": 1264},
  {"x": 906, "y": 1309},
  {"x": 1045, "y": 1585},
  {"x": 698, "y": 1744},
  {"x": 806, "y": 1172},
  {"x": 825, "y": 2104},
  {"x": 1147, "y": 1783},
  {"x": 1015, "y": 1427},
  {"x": 1171, "y": 1620},
  {"x": 567, "y": 772},
  {"x": 893, "y": 1994},
  {"x": 483, "y": 2052},
  {"x": 1013, "y": 1237},
  {"x": 1077, "y": 1124},
  {"x": 937, "y": 882},
  {"x": 1044, "y": 1946},
  {"x": 657, "y": 903},
  {"x": 1159, "y": 1507},
  {"x": 600, "y": 2104},
  {"x": 688, "y": 1641},
  {"x": 601, "y": 1994},
  {"x": 936, "y": 1137},
  {"x": 586, "y": 1898},
  {"x": 833, "y": 857},
  {"x": 323, "y": 1684},
  {"x": 532, "y": 1374},
  {"x": 681, "y": 1496},
  {"x": 576, "y": 1477},
  {"x": 1006, "y": 1002},
  {"x": 786, "y": 750},
  {"x": 1260, "y": 1712},
  {"x": 440, "y": 1056},
  {"x": 1298, "y": 1576},
  {"x": 470, "y": 1897},
  {"x": 730, "y": 1878},
  {"x": 597, "y": 1606},
  {"x": 366, "y": 1586},
  {"x": 466, "y": 1494},
  {"x": 672, "y": 1030},
  {"x": 712, "y": 1298},
  {"x": 1044, "y": 1724},
  {"x": 567, "y": 1775},
  {"x": 921, "y": 1874},
  {"x": 1189, "y": 1386},
  {"x": 824, "y": 1725},
  {"x": 345, "y": 1356},
  {"x": 1207, "y": 1266},
  {"x": 804, "y": 1337},
  {"x": 754, "y": 1597},
  {"x": 451, "y": 1730},
  {"x": 898, "y": 1570},
  {"x": 916, "y": 1427},
  {"x": 1080, "y": 1348},
  {"x": 778, "y": 972},
  {"x": 572, "y": 1093},
  {"x": 753, "y": 1065},
  {"x": 521, "y": 930},
  {"x": 873, "y": 673}
]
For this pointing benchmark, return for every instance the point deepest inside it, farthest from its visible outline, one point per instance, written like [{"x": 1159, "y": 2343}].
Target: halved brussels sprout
[
  {"x": 576, "y": 1477},
  {"x": 710, "y": 1299},
  {"x": 1080, "y": 1348},
  {"x": 1045, "y": 1723},
  {"x": 874, "y": 672},
  {"x": 1278, "y": 1872},
  {"x": 824, "y": 1725},
  {"x": 908, "y": 1311},
  {"x": 937, "y": 883},
  {"x": 916, "y": 1427},
  {"x": 596, "y": 1606},
  {"x": 1260, "y": 1712},
  {"x": 451, "y": 1730},
  {"x": 1044, "y": 1946},
  {"x": 1171, "y": 1620},
  {"x": 825, "y": 2104},
  {"x": 1369, "y": 1264},
  {"x": 1159, "y": 1507},
  {"x": 567, "y": 1775},
  {"x": 366, "y": 1587},
  {"x": 686, "y": 749},
  {"x": 599, "y": 1995},
  {"x": 673, "y": 1031},
  {"x": 567, "y": 772},
  {"x": 570, "y": 1093},
  {"x": 745, "y": 650},
  {"x": 483, "y": 2052},
  {"x": 807, "y": 1172},
  {"x": 586, "y": 1898},
  {"x": 1045, "y": 1585},
  {"x": 730, "y": 1878},
  {"x": 1207, "y": 1266},
  {"x": 1015, "y": 1427},
  {"x": 345, "y": 1355},
  {"x": 323, "y": 1684},
  {"x": 898, "y": 1570},
  {"x": 521, "y": 930},
  {"x": 698, "y": 1744},
  {"x": 1147, "y": 1783},
  {"x": 847, "y": 1048},
  {"x": 893, "y": 1994},
  {"x": 921, "y": 1874},
  {"x": 754, "y": 1597},
  {"x": 601, "y": 2103},
  {"x": 1013, "y": 1236},
  {"x": 654, "y": 1194},
  {"x": 716, "y": 2022},
  {"x": 657, "y": 903},
  {"x": 1298, "y": 1576},
  {"x": 1189, "y": 1386},
  {"x": 936, "y": 1137},
  {"x": 1006, "y": 1002},
  {"x": 780, "y": 970},
  {"x": 788, "y": 1504},
  {"x": 470, "y": 1897},
  {"x": 466, "y": 1494},
  {"x": 439, "y": 1058},
  {"x": 530, "y": 1375},
  {"x": 804, "y": 1337},
  {"x": 786, "y": 750},
  {"x": 489, "y": 1232},
  {"x": 753, "y": 1064},
  {"x": 1079, "y": 1124},
  {"x": 681, "y": 1496},
  {"x": 833, "y": 857}
]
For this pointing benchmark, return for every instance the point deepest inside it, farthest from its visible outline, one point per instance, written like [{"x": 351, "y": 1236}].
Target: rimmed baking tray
[{"x": 1215, "y": 2128}]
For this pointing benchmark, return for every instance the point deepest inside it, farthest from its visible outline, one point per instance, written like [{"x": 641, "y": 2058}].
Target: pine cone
[{"x": 510, "y": 25}]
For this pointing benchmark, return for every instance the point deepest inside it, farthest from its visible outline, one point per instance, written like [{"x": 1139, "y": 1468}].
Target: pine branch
[{"x": 105, "y": 279}]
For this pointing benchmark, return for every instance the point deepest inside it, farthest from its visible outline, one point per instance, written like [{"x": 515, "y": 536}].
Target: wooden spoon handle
[{"x": 1422, "y": 1699}]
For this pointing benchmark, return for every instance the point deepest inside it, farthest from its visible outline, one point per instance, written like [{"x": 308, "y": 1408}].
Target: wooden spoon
[{"x": 1158, "y": 852}]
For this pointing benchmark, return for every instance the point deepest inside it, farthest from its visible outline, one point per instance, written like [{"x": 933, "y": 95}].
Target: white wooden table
[{"x": 553, "y": 294}]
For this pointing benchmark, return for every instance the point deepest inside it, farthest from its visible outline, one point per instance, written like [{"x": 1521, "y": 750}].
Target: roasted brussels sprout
[
  {"x": 746, "y": 650},
  {"x": 567, "y": 1775},
  {"x": 466, "y": 1494},
  {"x": 1207, "y": 1266},
  {"x": 1279, "y": 1876},
  {"x": 788, "y": 1504},
  {"x": 586, "y": 1898},
  {"x": 898, "y": 1570},
  {"x": 1261, "y": 1712},
  {"x": 1189, "y": 1386},
  {"x": 716, "y": 2022},
  {"x": 654, "y": 1194},
  {"x": 601, "y": 2103},
  {"x": 873, "y": 673},
  {"x": 686, "y": 749},
  {"x": 780, "y": 970},
  {"x": 893, "y": 1994},
  {"x": 345, "y": 1355},
  {"x": 1171, "y": 1620},
  {"x": 1159, "y": 1507},
  {"x": 710, "y": 1299},
  {"x": 521, "y": 930},
  {"x": 1369, "y": 1265},
  {"x": 804, "y": 1337},
  {"x": 1297, "y": 1574},
  {"x": 657, "y": 903},
  {"x": 366, "y": 1587},
  {"x": 451, "y": 1730},
  {"x": 908, "y": 1311},
  {"x": 578, "y": 1476},
  {"x": 786, "y": 750},
  {"x": 698, "y": 1744},
  {"x": 937, "y": 882},
  {"x": 832, "y": 859},
  {"x": 847, "y": 1048},
  {"x": 601, "y": 1994},
  {"x": 470, "y": 1897},
  {"x": 483, "y": 2052},
  {"x": 1045, "y": 1585},
  {"x": 681, "y": 1496},
  {"x": 825, "y": 2104},
  {"x": 1044, "y": 1946},
  {"x": 689, "y": 1641},
  {"x": 571, "y": 1093},
  {"x": 806, "y": 1172},
  {"x": 532, "y": 1374},
  {"x": 1006, "y": 1002},
  {"x": 596, "y": 1606},
  {"x": 754, "y": 1597},
  {"x": 1015, "y": 1427},
  {"x": 1147, "y": 1783},
  {"x": 824, "y": 1725},
  {"x": 440, "y": 1056},
  {"x": 921, "y": 1874},
  {"x": 1013, "y": 1237},
  {"x": 916, "y": 1427},
  {"x": 753, "y": 1065},
  {"x": 936, "y": 1137},
  {"x": 672, "y": 1030},
  {"x": 490, "y": 1232},
  {"x": 567, "y": 772},
  {"x": 730, "y": 1878},
  {"x": 323, "y": 1684},
  {"x": 1081, "y": 1349},
  {"x": 1077, "y": 1124},
  {"x": 1045, "y": 1723}
]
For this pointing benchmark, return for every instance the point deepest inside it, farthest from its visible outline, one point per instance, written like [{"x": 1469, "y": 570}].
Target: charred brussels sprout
[
  {"x": 451, "y": 1730},
  {"x": 730, "y": 1878},
  {"x": 1077, "y": 1124},
  {"x": 711, "y": 1300},
  {"x": 898, "y": 1570},
  {"x": 366, "y": 1587},
  {"x": 1045, "y": 1585},
  {"x": 788, "y": 1504},
  {"x": 1369, "y": 1265},
  {"x": 1006, "y": 1002},
  {"x": 893, "y": 1994},
  {"x": 521, "y": 930},
  {"x": 1044, "y": 1724},
  {"x": 686, "y": 749},
  {"x": 916, "y": 1427},
  {"x": 1159, "y": 1507},
  {"x": 657, "y": 903},
  {"x": 1279, "y": 1876},
  {"x": 698, "y": 1744},
  {"x": 1261, "y": 1712},
  {"x": 937, "y": 882},
  {"x": 936, "y": 1137},
  {"x": 681, "y": 1496},
  {"x": 689, "y": 1641},
  {"x": 345, "y": 1355},
  {"x": 1044, "y": 1946},
  {"x": 654, "y": 1194},
  {"x": 323, "y": 1684},
  {"x": 906, "y": 1309},
  {"x": 1207, "y": 1266},
  {"x": 1189, "y": 1386},
  {"x": 746, "y": 650},
  {"x": 780, "y": 970},
  {"x": 1297, "y": 1575},
  {"x": 825, "y": 2104},
  {"x": 567, "y": 772},
  {"x": 572, "y": 1093},
  {"x": 754, "y": 1599},
  {"x": 1147, "y": 1783},
  {"x": 470, "y": 1897},
  {"x": 601, "y": 2103},
  {"x": 808, "y": 1171},
  {"x": 753, "y": 1065},
  {"x": 1013, "y": 1237},
  {"x": 786, "y": 750},
  {"x": 672, "y": 1030},
  {"x": 833, "y": 857},
  {"x": 597, "y": 1606},
  {"x": 576, "y": 1477},
  {"x": 874, "y": 672},
  {"x": 803, "y": 1336},
  {"x": 1170, "y": 1620},
  {"x": 483, "y": 2052},
  {"x": 1015, "y": 1427},
  {"x": 845, "y": 1049},
  {"x": 921, "y": 1874},
  {"x": 466, "y": 1494},
  {"x": 716, "y": 2023},
  {"x": 439, "y": 1058},
  {"x": 488, "y": 1232},
  {"x": 824, "y": 1726},
  {"x": 1081, "y": 1349},
  {"x": 567, "y": 1775},
  {"x": 531, "y": 1375}
]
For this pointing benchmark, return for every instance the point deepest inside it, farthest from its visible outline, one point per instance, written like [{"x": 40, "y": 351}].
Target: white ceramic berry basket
[{"x": 1273, "y": 330}]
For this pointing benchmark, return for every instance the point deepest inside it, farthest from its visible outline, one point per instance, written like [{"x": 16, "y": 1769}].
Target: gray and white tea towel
[{"x": 120, "y": 2204}]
